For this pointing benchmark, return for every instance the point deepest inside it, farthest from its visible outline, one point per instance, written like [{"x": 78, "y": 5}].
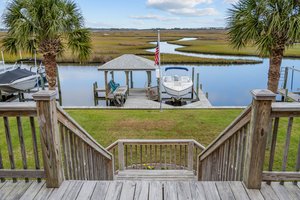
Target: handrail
[
  {"x": 285, "y": 109},
  {"x": 239, "y": 122},
  {"x": 154, "y": 141},
  {"x": 69, "y": 122},
  {"x": 18, "y": 109}
]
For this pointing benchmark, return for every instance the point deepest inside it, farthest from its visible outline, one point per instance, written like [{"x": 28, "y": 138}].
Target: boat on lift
[
  {"x": 177, "y": 86},
  {"x": 18, "y": 78}
]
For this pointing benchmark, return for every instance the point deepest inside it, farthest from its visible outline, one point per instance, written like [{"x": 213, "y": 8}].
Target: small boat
[
  {"x": 17, "y": 78},
  {"x": 177, "y": 86}
]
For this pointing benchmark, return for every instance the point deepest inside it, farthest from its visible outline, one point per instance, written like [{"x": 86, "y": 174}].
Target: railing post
[
  {"x": 257, "y": 137},
  {"x": 121, "y": 155},
  {"x": 50, "y": 140},
  {"x": 190, "y": 155}
]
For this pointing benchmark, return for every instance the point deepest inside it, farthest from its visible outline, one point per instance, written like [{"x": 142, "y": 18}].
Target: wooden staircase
[{"x": 156, "y": 175}]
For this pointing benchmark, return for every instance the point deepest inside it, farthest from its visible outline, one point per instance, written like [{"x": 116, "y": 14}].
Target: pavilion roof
[{"x": 129, "y": 62}]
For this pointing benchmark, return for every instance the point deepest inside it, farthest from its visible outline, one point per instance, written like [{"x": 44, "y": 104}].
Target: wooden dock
[
  {"x": 137, "y": 99},
  {"x": 291, "y": 95},
  {"x": 149, "y": 190}
]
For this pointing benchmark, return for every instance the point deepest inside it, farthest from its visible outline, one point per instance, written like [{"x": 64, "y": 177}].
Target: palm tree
[
  {"x": 48, "y": 26},
  {"x": 271, "y": 25}
]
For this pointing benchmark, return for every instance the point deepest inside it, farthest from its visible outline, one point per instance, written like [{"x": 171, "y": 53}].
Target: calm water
[{"x": 226, "y": 85}]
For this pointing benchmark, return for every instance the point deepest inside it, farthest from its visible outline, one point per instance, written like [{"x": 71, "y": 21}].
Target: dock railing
[
  {"x": 155, "y": 154},
  {"x": 67, "y": 150},
  {"x": 248, "y": 148}
]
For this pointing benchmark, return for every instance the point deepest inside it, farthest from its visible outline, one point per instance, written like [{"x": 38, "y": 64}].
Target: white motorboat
[
  {"x": 177, "y": 86},
  {"x": 15, "y": 79}
]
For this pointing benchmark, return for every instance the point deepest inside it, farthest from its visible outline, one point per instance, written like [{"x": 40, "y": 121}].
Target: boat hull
[
  {"x": 23, "y": 84},
  {"x": 178, "y": 94}
]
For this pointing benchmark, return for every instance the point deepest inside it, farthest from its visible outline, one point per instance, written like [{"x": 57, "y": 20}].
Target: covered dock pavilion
[{"x": 127, "y": 63}]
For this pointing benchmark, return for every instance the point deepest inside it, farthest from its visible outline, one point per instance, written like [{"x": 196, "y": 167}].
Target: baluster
[
  {"x": 273, "y": 146},
  {"x": 170, "y": 154},
  {"x": 175, "y": 155},
  {"x": 9, "y": 145},
  {"x": 1, "y": 166},
  {"x": 69, "y": 154},
  {"x": 298, "y": 161},
  {"x": 150, "y": 161},
  {"x": 165, "y": 153},
  {"x": 115, "y": 158},
  {"x": 185, "y": 157},
  {"x": 131, "y": 163},
  {"x": 22, "y": 145},
  {"x": 160, "y": 156},
  {"x": 141, "y": 156},
  {"x": 136, "y": 156},
  {"x": 238, "y": 153},
  {"x": 84, "y": 161},
  {"x": 63, "y": 142},
  {"x": 287, "y": 145},
  {"x": 180, "y": 156},
  {"x": 155, "y": 155},
  {"x": 126, "y": 156},
  {"x": 72, "y": 155},
  {"x": 146, "y": 155}
]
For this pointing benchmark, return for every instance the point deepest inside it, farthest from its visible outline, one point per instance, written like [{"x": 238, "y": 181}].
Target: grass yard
[{"x": 107, "y": 126}]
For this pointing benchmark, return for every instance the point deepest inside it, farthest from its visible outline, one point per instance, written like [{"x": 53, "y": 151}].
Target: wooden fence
[
  {"x": 250, "y": 143},
  {"x": 67, "y": 150},
  {"x": 155, "y": 154}
]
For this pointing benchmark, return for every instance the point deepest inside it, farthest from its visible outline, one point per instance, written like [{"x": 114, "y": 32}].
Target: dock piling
[
  {"x": 131, "y": 79},
  {"x": 193, "y": 79},
  {"x": 59, "y": 87},
  {"x": 198, "y": 80}
]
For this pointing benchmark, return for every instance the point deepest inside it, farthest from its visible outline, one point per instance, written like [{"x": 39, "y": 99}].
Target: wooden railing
[
  {"x": 238, "y": 154},
  {"x": 285, "y": 124},
  {"x": 18, "y": 125},
  {"x": 223, "y": 159},
  {"x": 83, "y": 157},
  {"x": 155, "y": 154},
  {"x": 67, "y": 150}
]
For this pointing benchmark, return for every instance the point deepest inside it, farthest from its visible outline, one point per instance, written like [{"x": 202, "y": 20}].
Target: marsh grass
[{"x": 107, "y": 45}]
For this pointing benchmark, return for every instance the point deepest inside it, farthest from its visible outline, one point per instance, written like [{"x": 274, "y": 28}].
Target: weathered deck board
[{"x": 131, "y": 190}]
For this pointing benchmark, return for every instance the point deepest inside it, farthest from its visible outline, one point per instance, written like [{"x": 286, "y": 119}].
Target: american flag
[{"x": 156, "y": 60}]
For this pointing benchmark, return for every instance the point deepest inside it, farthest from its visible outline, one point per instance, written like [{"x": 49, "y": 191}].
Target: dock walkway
[
  {"x": 137, "y": 99},
  {"x": 152, "y": 190},
  {"x": 291, "y": 95}
]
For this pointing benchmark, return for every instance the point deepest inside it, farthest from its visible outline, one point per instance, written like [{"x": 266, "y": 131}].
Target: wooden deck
[{"x": 115, "y": 190}]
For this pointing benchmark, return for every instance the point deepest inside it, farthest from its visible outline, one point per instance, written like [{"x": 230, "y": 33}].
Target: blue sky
[{"x": 151, "y": 13}]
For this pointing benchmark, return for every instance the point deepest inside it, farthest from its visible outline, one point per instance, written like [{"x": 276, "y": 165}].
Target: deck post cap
[
  {"x": 263, "y": 94},
  {"x": 44, "y": 95}
]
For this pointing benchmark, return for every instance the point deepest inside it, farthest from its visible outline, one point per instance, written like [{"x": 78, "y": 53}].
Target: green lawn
[{"x": 107, "y": 126}]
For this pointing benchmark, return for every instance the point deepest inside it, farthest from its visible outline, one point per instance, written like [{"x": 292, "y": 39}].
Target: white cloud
[
  {"x": 231, "y": 1},
  {"x": 154, "y": 17},
  {"x": 183, "y": 7}
]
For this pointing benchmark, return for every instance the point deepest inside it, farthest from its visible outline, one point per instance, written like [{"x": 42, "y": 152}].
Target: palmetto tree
[
  {"x": 271, "y": 25},
  {"x": 48, "y": 26}
]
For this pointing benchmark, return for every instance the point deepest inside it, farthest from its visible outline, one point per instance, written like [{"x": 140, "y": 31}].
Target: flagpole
[{"x": 160, "y": 73}]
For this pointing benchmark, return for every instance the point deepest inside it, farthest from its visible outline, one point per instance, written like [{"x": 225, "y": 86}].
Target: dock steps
[{"x": 156, "y": 175}]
